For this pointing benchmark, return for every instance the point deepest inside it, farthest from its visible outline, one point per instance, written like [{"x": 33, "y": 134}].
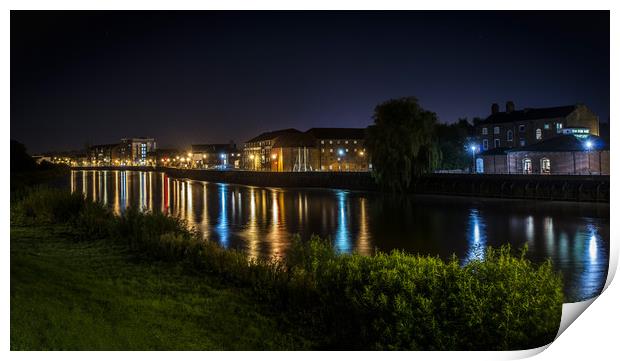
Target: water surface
[{"x": 261, "y": 221}]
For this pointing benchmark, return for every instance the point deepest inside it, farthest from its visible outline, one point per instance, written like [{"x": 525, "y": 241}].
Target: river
[{"x": 262, "y": 221}]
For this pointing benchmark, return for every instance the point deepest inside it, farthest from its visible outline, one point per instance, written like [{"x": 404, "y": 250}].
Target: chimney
[
  {"x": 494, "y": 108},
  {"x": 510, "y": 106}
]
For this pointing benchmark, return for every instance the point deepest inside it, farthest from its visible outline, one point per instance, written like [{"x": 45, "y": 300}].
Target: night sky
[{"x": 211, "y": 77}]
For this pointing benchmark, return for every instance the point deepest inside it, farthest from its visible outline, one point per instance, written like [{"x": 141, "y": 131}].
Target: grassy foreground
[
  {"x": 144, "y": 281},
  {"x": 68, "y": 295}
]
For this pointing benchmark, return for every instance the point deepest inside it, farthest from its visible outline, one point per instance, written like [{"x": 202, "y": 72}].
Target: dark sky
[{"x": 202, "y": 77}]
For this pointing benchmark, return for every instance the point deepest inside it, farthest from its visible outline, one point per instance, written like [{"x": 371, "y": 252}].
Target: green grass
[{"x": 68, "y": 295}]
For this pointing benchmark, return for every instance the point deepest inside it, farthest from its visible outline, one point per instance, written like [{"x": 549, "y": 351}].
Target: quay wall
[{"x": 580, "y": 188}]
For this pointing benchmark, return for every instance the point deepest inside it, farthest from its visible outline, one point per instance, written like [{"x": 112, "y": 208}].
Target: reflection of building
[
  {"x": 564, "y": 154},
  {"x": 327, "y": 149},
  {"x": 215, "y": 156},
  {"x": 103, "y": 154},
  {"x": 520, "y": 128},
  {"x": 340, "y": 149},
  {"x": 134, "y": 151}
]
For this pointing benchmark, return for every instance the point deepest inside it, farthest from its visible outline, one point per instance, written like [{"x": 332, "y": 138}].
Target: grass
[
  {"x": 146, "y": 281},
  {"x": 68, "y": 295}
]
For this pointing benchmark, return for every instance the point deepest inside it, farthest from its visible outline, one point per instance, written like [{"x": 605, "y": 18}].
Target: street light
[
  {"x": 589, "y": 146},
  {"x": 473, "y": 149}
]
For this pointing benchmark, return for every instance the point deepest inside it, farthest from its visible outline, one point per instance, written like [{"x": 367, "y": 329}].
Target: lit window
[
  {"x": 322, "y": 142},
  {"x": 346, "y": 142},
  {"x": 538, "y": 134},
  {"x": 547, "y": 126},
  {"x": 545, "y": 166},
  {"x": 355, "y": 142},
  {"x": 331, "y": 150},
  {"x": 322, "y": 150},
  {"x": 485, "y": 131},
  {"x": 495, "y": 130},
  {"x": 485, "y": 144},
  {"x": 558, "y": 126},
  {"x": 330, "y": 142}
]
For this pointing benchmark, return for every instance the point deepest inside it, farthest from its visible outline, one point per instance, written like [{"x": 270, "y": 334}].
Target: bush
[{"x": 387, "y": 301}]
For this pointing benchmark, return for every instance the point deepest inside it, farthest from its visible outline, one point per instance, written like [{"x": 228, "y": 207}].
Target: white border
[{"x": 593, "y": 335}]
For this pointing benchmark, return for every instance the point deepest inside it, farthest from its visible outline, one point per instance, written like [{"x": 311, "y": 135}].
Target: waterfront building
[
  {"x": 520, "y": 128},
  {"x": 134, "y": 151},
  {"x": 257, "y": 152},
  {"x": 340, "y": 149},
  {"x": 563, "y": 154},
  {"x": 294, "y": 152},
  {"x": 214, "y": 156}
]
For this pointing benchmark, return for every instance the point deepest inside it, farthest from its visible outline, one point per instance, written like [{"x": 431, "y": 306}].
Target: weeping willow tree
[{"x": 401, "y": 143}]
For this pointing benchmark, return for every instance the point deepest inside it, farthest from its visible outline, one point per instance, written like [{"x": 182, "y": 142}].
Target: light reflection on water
[{"x": 262, "y": 221}]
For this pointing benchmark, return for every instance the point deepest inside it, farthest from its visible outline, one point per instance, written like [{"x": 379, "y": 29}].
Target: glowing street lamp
[{"x": 473, "y": 148}]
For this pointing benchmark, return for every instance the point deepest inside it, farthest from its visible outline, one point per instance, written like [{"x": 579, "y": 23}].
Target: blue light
[
  {"x": 340, "y": 152},
  {"x": 589, "y": 145},
  {"x": 222, "y": 155}
]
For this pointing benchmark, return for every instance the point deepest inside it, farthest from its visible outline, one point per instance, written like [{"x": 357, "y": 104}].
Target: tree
[
  {"x": 20, "y": 160},
  {"x": 452, "y": 141},
  {"x": 401, "y": 143}
]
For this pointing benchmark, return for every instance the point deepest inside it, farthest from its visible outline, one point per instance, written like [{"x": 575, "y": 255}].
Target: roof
[
  {"x": 529, "y": 114},
  {"x": 272, "y": 135},
  {"x": 563, "y": 143},
  {"x": 112, "y": 145},
  {"x": 337, "y": 133},
  {"x": 288, "y": 140},
  {"x": 211, "y": 148}
]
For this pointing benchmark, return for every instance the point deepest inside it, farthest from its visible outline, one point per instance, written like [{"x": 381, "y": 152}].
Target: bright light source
[
  {"x": 472, "y": 148},
  {"x": 222, "y": 155},
  {"x": 362, "y": 154},
  {"x": 340, "y": 152},
  {"x": 589, "y": 145},
  {"x": 189, "y": 155},
  {"x": 274, "y": 156}
]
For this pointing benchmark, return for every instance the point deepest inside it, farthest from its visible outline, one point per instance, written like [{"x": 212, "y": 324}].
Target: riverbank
[
  {"x": 577, "y": 188},
  {"x": 340, "y": 301},
  {"x": 97, "y": 295}
]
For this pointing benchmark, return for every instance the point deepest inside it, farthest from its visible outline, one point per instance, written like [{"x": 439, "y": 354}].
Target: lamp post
[
  {"x": 589, "y": 148},
  {"x": 473, "y": 149}
]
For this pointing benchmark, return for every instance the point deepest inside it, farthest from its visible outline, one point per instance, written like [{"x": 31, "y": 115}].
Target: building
[
  {"x": 520, "y": 128},
  {"x": 294, "y": 152},
  {"x": 257, "y": 153},
  {"x": 219, "y": 156},
  {"x": 563, "y": 154},
  {"x": 104, "y": 154},
  {"x": 340, "y": 149},
  {"x": 318, "y": 149},
  {"x": 134, "y": 151}
]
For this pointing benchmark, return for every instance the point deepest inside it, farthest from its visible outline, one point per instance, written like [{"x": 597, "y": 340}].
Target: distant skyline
[{"x": 210, "y": 77}]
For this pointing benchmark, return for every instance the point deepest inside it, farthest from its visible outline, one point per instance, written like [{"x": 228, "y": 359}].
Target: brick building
[
  {"x": 563, "y": 154},
  {"x": 519, "y": 128}
]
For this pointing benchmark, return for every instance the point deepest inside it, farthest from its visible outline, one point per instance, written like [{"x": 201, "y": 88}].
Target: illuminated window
[
  {"x": 355, "y": 142},
  {"x": 545, "y": 166},
  {"x": 322, "y": 142},
  {"x": 527, "y": 166},
  {"x": 485, "y": 131},
  {"x": 331, "y": 150},
  {"x": 558, "y": 126},
  {"x": 547, "y": 126},
  {"x": 538, "y": 134}
]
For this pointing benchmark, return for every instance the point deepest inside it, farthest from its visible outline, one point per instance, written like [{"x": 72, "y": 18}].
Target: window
[
  {"x": 322, "y": 142},
  {"x": 485, "y": 144},
  {"x": 547, "y": 126},
  {"x": 558, "y": 127},
  {"x": 527, "y": 166},
  {"x": 346, "y": 142},
  {"x": 485, "y": 131},
  {"x": 538, "y": 134},
  {"x": 495, "y": 130},
  {"x": 509, "y": 135},
  {"x": 496, "y": 143},
  {"x": 355, "y": 142},
  {"x": 545, "y": 166},
  {"x": 522, "y": 142},
  {"x": 522, "y": 128},
  {"x": 331, "y": 142},
  {"x": 322, "y": 150},
  {"x": 331, "y": 150}
]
